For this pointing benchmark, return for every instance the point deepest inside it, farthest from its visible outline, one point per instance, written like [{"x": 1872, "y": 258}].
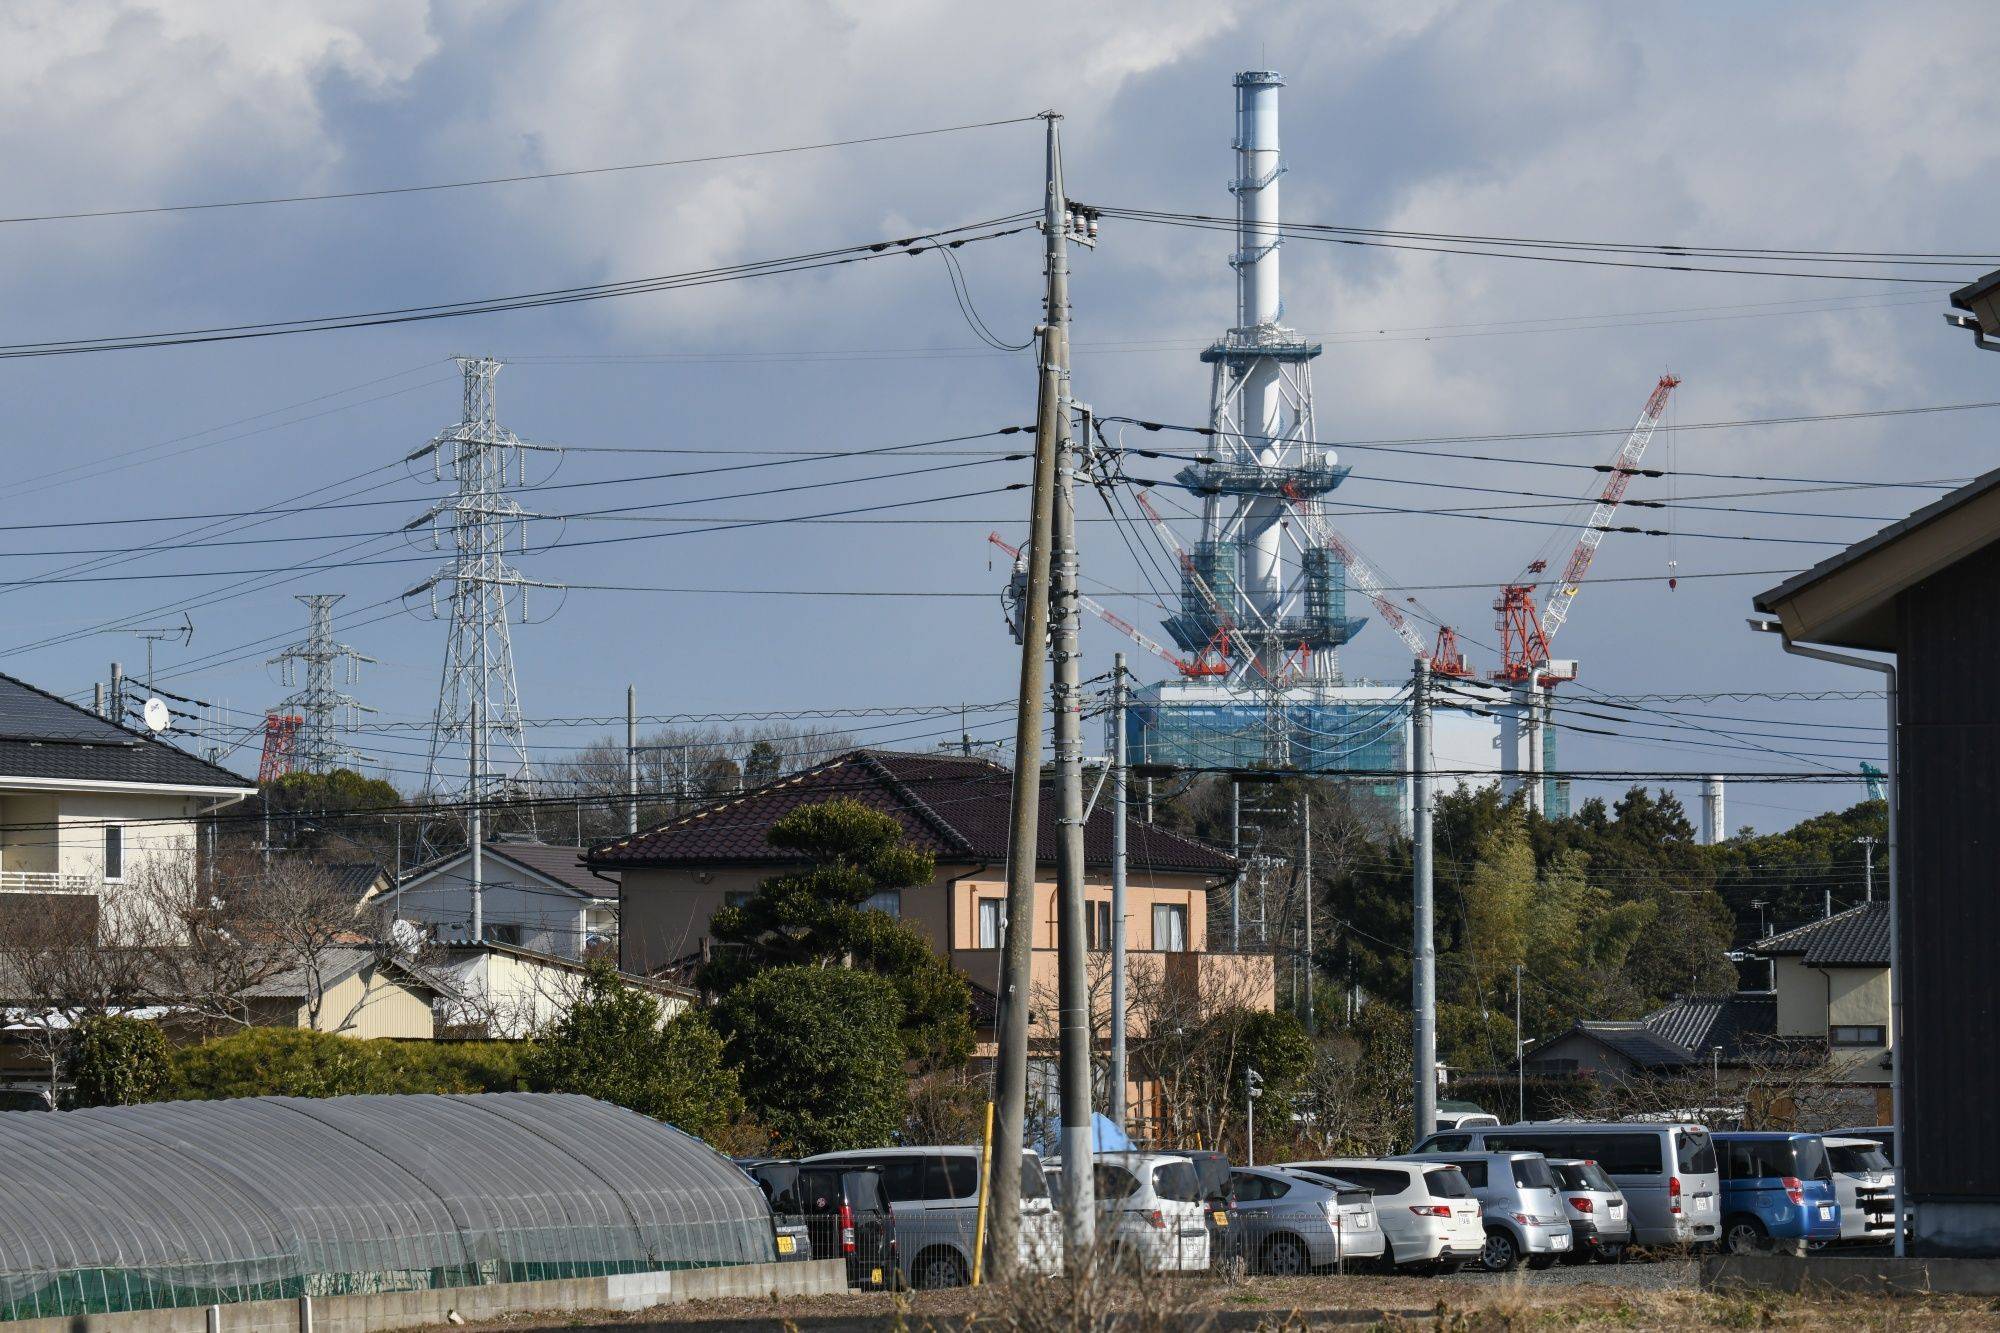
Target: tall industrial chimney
[{"x": 1713, "y": 829}]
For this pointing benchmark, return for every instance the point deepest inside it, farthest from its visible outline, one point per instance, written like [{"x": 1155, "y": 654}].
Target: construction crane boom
[
  {"x": 1556, "y": 610},
  {"x": 1359, "y": 571}
]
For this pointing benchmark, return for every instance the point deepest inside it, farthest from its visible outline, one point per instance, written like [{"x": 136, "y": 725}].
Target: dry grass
[{"x": 1154, "y": 1304}]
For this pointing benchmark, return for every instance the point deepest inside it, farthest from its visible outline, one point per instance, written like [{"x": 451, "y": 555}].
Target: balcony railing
[{"x": 47, "y": 881}]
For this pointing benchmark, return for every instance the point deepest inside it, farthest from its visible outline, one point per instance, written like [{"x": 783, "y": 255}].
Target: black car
[
  {"x": 779, "y": 1179},
  {"x": 847, "y": 1213},
  {"x": 1218, "y": 1199}
]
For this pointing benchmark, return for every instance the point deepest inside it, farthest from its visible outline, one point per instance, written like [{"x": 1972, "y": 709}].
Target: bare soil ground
[{"x": 1632, "y": 1297}]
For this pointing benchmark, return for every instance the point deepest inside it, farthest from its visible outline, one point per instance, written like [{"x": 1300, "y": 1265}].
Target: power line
[{"x": 481, "y": 182}]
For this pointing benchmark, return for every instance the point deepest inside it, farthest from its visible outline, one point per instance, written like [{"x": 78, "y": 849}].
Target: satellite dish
[{"x": 157, "y": 716}]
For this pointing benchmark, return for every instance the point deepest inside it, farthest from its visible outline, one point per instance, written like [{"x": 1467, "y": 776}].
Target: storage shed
[{"x": 200, "y": 1203}]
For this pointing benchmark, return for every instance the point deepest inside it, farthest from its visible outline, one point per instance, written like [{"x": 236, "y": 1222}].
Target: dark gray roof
[
  {"x": 1858, "y": 937},
  {"x": 1739, "y": 1024},
  {"x": 563, "y": 864},
  {"x": 1767, "y": 601},
  {"x": 1636, "y": 1042},
  {"x": 42, "y": 736}
]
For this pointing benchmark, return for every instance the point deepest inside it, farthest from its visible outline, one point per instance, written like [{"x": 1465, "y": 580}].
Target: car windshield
[
  {"x": 1533, "y": 1173},
  {"x": 1696, "y": 1151},
  {"x": 1177, "y": 1181},
  {"x": 1810, "y": 1155},
  {"x": 1595, "y": 1179},
  {"x": 1448, "y": 1184},
  {"x": 1211, "y": 1171},
  {"x": 1855, "y": 1161},
  {"x": 1568, "y": 1176}
]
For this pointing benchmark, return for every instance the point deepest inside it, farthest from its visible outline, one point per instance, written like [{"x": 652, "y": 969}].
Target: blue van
[{"x": 1777, "y": 1192}]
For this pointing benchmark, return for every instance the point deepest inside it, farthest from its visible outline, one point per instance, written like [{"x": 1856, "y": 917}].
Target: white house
[
  {"x": 498, "y": 990},
  {"x": 87, "y": 806},
  {"x": 533, "y": 895}
]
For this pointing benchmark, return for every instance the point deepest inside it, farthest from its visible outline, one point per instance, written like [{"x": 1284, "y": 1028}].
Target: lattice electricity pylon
[
  {"x": 485, "y": 590},
  {"x": 323, "y": 710}
]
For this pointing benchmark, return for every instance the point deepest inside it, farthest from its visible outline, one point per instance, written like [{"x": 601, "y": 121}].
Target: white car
[
  {"x": 1865, "y": 1184},
  {"x": 1429, "y": 1217},
  {"x": 1149, "y": 1206}
]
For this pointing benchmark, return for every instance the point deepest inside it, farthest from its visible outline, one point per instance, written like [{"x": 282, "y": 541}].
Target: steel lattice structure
[
  {"x": 323, "y": 712},
  {"x": 1283, "y": 613},
  {"x": 478, "y": 688}
]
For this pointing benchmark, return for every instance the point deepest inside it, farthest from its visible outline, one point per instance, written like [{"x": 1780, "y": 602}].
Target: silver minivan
[
  {"x": 934, "y": 1193},
  {"x": 1865, "y": 1184},
  {"x": 1523, "y": 1213},
  {"x": 1667, "y": 1171}
]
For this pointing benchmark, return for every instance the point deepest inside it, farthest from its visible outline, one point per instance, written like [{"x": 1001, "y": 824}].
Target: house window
[
  {"x": 1097, "y": 924},
  {"x": 889, "y": 902},
  {"x": 114, "y": 852},
  {"x": 992, "y": 922},
  {"x": 1170, "y": 927},
  {"x": 1843, "y": 1035},
  {"x": 504, "y": 932}
]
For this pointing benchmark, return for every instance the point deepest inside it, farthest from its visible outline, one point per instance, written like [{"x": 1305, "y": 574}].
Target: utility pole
[
  {"x": 1306, "y": 873},
  {"x": 631, "y": 759},
  {"x": 474, "y": 821},
  {"x": 1423, "y": 973},
  {"x": 1003, "y": 1164},
  {"x": 1868, "y": 841},
  {"x": 1236, "y": 854},
  {"x": 1520, "y": 1056},
  {"x": 1118, "y": 817},
  {"x": 1073, "y": 1017},
  {"x": 115, "y": 696}
]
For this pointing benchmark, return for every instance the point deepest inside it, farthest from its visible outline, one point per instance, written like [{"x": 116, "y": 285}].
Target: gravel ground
[{"x": 1664, "y": 1275}]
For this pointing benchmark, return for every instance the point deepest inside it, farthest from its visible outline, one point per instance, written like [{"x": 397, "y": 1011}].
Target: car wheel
[
  {"x": 1285, "y": 1256},
  {"x": 1500, "y": 1254},
  {"x": 937, "y": 1268},
  {"x": 1745, "y": 1235},
  {"x": 1385, "y": 1262}
]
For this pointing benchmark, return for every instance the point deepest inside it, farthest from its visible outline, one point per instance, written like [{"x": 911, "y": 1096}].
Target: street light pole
[{"x": 1423, "y": 972}]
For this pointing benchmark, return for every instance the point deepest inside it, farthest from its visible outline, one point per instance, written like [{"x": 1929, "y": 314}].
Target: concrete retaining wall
[
  {"x": 388, "y": 1310},
  {"x": 1875, "y": 1274}
]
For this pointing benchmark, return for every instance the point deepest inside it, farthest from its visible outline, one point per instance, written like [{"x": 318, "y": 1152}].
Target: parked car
[
  {"x": 1218, "y": 1197},
  {"x": 1882, "y": 1134},
  {"x": 1429, "y": 1219},
  {"x": 1865, "y": 1184},
  {"x": 1463, "y": 1115},
  {"x": 1666, "y": 1171},
  {"x": 1600, "y": 1223},
  {"x": 934, "y": 1192},
  {"x": 1150, "y": 1208},
  {"x": 778, "y": 1178},
  {"x": 1293, "y": 1222},
  {"x": 1777, "y": 1192},
  {"x": 850, "y": 1218},
  {"x": 1524, "y": 1217}
]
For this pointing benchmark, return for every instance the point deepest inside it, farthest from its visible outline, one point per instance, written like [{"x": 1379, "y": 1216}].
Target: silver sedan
[{"x": 1293, "y": 1222}]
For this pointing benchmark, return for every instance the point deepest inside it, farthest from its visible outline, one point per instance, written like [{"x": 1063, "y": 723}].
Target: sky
[{"x": 1809, "y": 126}]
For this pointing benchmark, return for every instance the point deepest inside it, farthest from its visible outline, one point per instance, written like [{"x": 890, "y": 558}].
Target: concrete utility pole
[
  {"x": 1236, "y": 854},
  {"x": 1868, "y": 841},
  {"x": 1306, "y": 873},
  {"x": 631, "y": 759},
  {"x": 1073, "y": 1017},
  {"x": 475, "y": 826},
  {"x": 1003, "y": 1165},
  {"x": 1520, "y": 1055},
  {"x": 1118, "y": 817},
  {"x": 1423, "y": 970}
]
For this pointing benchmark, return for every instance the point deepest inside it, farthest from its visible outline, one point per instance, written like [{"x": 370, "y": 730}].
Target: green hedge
[{"x": 292, "y": 1062}]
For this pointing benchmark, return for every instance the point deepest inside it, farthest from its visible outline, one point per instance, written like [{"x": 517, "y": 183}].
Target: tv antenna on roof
[{"x": 182, "y": 633}]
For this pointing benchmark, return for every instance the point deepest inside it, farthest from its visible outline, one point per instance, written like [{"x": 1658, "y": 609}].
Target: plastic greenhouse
[{"x": 199, "y": 1203}]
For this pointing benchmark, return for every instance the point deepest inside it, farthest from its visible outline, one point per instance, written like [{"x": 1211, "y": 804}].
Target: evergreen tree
[
  {"x": 820, "y": 1056},
  {"x": 115, "y": 1060}
]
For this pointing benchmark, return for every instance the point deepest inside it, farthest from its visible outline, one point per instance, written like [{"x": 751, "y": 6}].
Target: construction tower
[
  {"x": 323, "y": 712},
  {"x": 479, "y": 700},
  {"x": 1282, "y": 612}
]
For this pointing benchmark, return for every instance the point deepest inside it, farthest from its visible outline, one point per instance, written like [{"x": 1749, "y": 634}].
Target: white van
[
  {"x": 1667, "y": 1172},
  {"x": 934, "y": 1193}
]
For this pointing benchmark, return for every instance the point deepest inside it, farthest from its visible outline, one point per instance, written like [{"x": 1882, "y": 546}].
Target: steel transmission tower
[
  {"x": 478, "y": 686},
  {"x": 322, "y": 711}
]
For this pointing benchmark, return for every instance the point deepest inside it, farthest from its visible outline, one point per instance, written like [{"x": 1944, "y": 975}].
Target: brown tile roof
[{"x": 953, "y": 806}]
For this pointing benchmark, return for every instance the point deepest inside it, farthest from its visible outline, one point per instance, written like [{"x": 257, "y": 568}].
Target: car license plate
[
  {"x": 1363, "y": 1221},
  {"x": 875, "y": 1276},
  {"x": 1825, "y": 1213},
  {"x": 1618, "y": 1210},
  {"x": 1702, "y": 1203},
  {"x": 1221, "y": 1218},
  {"x": 1561, "y": 1242},
  {"x": 787, "y": 1244}
]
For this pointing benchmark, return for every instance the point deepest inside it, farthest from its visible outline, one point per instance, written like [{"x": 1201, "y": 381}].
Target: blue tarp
[{"x": 1104, "y": 1134}]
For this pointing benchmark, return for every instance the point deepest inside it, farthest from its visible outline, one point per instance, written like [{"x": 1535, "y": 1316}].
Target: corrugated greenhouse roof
[
  {"x": 193, "y": 1203},
  {"x": 952, "y": 806}
]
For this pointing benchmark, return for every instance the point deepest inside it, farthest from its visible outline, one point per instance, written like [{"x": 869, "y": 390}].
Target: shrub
[
  {"x": 114, "y": 1060},
  {"x": 297, "y": 1062},
  {"x": 821, "y": 1055}
]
